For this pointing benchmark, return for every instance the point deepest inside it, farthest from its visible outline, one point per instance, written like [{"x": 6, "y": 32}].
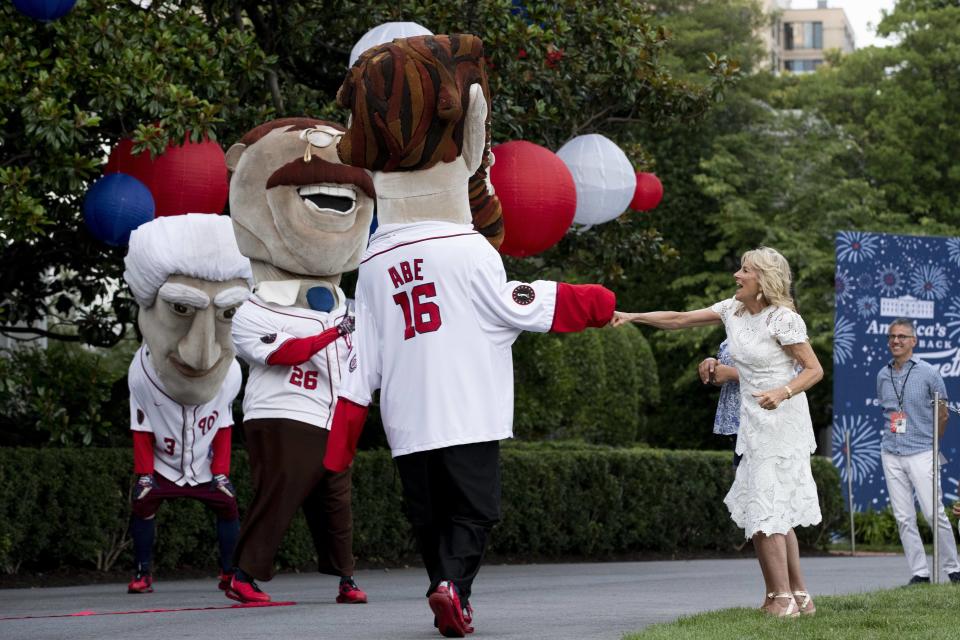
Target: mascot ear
[
  {"x": 233, "y": 155},
  {"x": 475, "y": 129}
]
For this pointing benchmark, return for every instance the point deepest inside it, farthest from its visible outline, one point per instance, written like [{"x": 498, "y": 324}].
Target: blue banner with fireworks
[{"x": 881, "y": 277}]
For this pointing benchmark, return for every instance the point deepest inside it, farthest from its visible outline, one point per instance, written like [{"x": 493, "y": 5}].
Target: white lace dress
[{"x": 774, "y": 489}]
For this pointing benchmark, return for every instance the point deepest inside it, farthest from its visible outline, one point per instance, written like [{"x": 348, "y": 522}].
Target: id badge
[{"x": 898, "y": 422}]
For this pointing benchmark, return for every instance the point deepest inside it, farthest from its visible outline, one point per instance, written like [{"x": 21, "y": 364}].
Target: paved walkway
[{"x": 556, "y": 601}]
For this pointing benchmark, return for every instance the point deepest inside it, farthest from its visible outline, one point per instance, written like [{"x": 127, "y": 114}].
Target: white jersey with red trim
[
  {"x": 184, "y": 433},
  {"x": 306, "y": 392},
  {"x": 436, "y": 320}
]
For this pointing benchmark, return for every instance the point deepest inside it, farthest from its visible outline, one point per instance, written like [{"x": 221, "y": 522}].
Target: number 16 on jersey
[{"x": 419, "y": 314}]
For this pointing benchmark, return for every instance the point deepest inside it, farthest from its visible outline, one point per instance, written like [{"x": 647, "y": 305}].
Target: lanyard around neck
[{"x": 903, "y": 387}]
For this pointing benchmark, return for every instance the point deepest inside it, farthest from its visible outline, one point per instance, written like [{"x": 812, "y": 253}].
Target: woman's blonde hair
[{"x": 773, "y": 274}]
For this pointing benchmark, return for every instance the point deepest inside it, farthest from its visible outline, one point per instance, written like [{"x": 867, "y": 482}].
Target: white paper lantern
[
  {"x": 385, "y": 33},
  {"x": 603, "y": 175}
]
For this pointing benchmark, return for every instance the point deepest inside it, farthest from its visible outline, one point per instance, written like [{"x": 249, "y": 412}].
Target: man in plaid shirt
[{"x": 905, "y": 388}]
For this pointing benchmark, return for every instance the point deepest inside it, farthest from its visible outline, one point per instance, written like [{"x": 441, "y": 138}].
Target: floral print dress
[{"x": 774, "y": 489}]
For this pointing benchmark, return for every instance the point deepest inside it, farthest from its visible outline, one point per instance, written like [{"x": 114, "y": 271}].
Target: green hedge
[
  {"x": 68, "y": 508},
  {"x": 596, "y": 386},
  {"x": 64, "y": 395},
  {"x": 879, "y": 528}
]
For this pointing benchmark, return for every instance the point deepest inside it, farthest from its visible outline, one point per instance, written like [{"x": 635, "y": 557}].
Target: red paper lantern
[
  {"x": 648, "y": 194},
  {"x": 537, "y": 195},
  {"x": 188, "y": 178}
]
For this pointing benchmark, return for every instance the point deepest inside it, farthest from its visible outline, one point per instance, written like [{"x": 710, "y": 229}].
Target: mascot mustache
[{"x": 299, "y": 173}]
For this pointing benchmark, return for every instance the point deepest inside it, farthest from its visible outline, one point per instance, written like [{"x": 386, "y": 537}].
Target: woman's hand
[
  {"x": 771, "y": 399},
  {"x": 621, "y": 318},
  {"x": 707, "y": 369}
]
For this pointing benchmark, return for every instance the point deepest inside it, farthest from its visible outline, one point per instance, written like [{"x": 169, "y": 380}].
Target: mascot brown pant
[{"x": 287, "y": 474}]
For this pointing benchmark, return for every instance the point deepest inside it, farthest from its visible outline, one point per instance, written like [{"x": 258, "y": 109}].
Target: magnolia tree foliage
[{"x": 71, "y": 89}]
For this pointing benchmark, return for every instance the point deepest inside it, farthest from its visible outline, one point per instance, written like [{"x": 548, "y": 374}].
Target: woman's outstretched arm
[{"x": 668, "y": 319}]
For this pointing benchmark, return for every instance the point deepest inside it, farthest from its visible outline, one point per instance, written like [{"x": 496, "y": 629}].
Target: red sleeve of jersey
[
  {"x": 143, "y": 443},
  {"x": 221, "y": 452},
  {"x": 582, "y": 305},
  {"x": 345, "y": 432},
  {"x": 298, "y": 350}
]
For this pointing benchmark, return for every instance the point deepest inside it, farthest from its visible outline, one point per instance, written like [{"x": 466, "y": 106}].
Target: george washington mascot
[
  {"x": 436, "y": 315},
  {"x": 189, "y": 279}
]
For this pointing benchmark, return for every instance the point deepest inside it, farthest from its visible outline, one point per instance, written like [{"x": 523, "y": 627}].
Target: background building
[{"x": 797, "y": 38}]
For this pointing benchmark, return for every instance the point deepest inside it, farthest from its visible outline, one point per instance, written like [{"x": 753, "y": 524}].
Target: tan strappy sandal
[
  {"x": 804, "y": 603},
  {"x": 792, "y": 611}
]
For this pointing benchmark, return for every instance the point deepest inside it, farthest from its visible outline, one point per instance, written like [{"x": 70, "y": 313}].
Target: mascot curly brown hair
[{"x": 436, "y": 316}]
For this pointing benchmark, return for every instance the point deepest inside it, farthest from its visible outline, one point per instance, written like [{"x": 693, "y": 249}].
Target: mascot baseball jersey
[
  {"x": 429, "y": 294},
  {"x": 184, "y": 433},
  {"x": 306, "y": 392}
]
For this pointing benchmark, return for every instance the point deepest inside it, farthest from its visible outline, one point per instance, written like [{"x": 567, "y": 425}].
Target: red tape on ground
[{"x": 80, "y": 614}]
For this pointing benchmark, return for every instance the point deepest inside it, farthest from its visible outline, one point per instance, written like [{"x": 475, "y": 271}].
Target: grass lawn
[{"x": 921, "y": 611}]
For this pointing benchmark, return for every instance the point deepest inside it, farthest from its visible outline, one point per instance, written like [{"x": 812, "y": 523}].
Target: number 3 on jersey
[{"x": 421, "y": 316}]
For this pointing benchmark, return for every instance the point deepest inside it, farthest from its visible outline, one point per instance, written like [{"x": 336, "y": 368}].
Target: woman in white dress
[{"x": 774, "y": 490}]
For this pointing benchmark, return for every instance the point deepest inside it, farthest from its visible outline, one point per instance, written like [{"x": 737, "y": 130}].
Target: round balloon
[
  {"x": 114, "y": 206},
  {"x": 537, "y": 195},
  {"x": 604, "y": 177},
  {"x": 188, "y": 178},
  {"x": 648, "y": 194},
  {"x": 44, "y": 10},
  {"x": 385, "y": 33}
]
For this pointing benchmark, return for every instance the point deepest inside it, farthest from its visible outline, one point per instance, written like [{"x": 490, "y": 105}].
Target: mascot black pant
[
  {"x": 285, "y": 466},
  {"x": 452, "y": 499}
]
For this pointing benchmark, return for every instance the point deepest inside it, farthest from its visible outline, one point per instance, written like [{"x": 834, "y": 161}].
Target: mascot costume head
[
  {"x": 421, "y": 124},
  {"x": 300, "y": 215},
  {"x": 188, "y": 277}
]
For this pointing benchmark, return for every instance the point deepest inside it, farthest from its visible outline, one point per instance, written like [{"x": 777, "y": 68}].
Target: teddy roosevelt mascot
[
  {"x": 189, "y": 279},
  {"x": 303, "y": 219},
  {"x": 436, "y": 316}
]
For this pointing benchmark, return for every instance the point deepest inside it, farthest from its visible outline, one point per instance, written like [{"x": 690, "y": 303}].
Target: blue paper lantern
[
  {"x": 44, "y": 10},
  {"x": 115, "y": 205}
]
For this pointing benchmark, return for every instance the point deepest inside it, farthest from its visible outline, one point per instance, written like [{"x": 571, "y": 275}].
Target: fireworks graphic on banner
[
  {"x": 864, "y": 446},
  {"x": 910, "y": 244},
  {"x": 890, "y": 281},
  {"x": 929, "y": 282},
  {"x": 867, "y": 306},
  {"x": 844, "y": 337},
  {"x": 946, "y": 484},
  {"x": 856, "y": 246},
  {"x": 879, "y": 276},
  {"x": 844, "y": 286},
  {"x": 953, "y": 318},
  {"x": 953, "y": 250}
]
